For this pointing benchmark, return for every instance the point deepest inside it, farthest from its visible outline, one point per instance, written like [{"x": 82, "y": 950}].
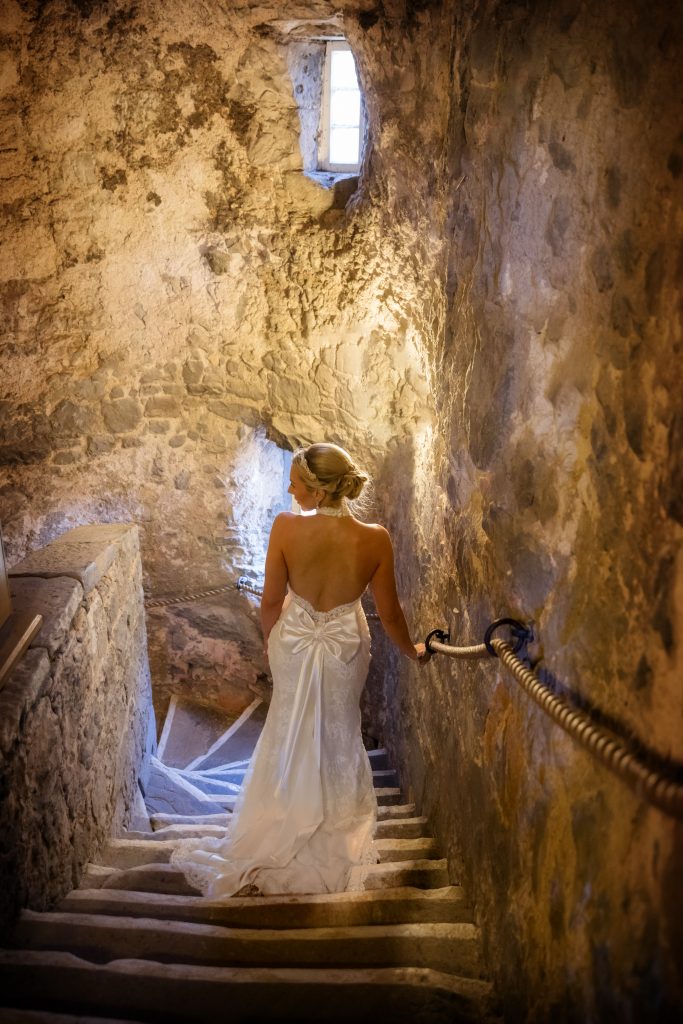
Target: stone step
[
  {"x": 165, "y": 878},
  {"x": 451, "y": 948},
  {"x": 14, "y": 1016},
  {"x": 168, "y": 792},
  {"x": 388, "y": 796},
  {"x": 129, "y": 853},
  {"x": 394, "y": 811},
  {"x": 399, "y": 828},
  {"x": 200, "y": 802},
  {"x": 161, "y": 820},
  {"x": 230, "y": 782},
  {"x": 237, "y": 743},
  {"x": 161, "y": 878},
  {"x": 376, "y": 906},
  {"x": 378, "y": 758},
  {"x": 378, "y": 762},
  {"x": 184, "y": 993},
  {"x": 95, "y": 876},
  {"x": 423, "y": 874},
  {"x": 210, "y": 786},
  {"x": 189, "y": 730}
]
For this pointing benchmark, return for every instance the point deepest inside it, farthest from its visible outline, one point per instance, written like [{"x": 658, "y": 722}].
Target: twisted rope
[
  {"x": 475, "y": 651},
  {"x": 242, "y": 584},
  {"x": 647, "y": 782},
  {"x": 161, "y": 602}
]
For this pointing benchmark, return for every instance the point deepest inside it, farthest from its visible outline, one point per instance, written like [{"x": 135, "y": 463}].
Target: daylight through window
[{"x": 342, "y": 114}]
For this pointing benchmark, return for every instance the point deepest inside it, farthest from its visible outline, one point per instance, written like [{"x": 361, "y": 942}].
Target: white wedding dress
[{"x": 306, "y": 816}]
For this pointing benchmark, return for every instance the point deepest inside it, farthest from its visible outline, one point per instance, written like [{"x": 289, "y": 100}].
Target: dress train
[{"x": 306, "y": 815}]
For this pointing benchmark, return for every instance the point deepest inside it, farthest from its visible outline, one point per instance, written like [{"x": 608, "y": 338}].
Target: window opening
[
  {"x": 342, "y": 111},
  {"x": 257, "y": 489}
]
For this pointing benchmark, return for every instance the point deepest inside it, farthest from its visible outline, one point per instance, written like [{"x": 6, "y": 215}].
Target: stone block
[
  {"x": 122, "y": 414},
  {"x": 57, "y": 599},
  {"x": 162, "y": 405},
  {"x": 84, "y": 553},
  {"x": 20, "y": 692}
]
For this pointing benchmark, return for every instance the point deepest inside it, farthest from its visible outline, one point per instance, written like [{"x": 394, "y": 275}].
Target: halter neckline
[{"x": 338, "y": 512}]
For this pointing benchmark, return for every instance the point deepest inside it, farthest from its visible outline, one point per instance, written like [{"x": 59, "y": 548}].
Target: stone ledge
[{"x": 84, "y": 553}]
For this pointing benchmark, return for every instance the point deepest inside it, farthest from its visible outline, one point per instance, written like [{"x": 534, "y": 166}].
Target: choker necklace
[{"x": 326, "y": 511}]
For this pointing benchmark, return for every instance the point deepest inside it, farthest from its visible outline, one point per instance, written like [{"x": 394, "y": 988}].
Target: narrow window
[{"x": 342, "y": 113}]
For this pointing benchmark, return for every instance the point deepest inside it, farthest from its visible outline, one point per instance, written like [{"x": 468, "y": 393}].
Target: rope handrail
[
  {"x": 242, "y": 583},
  {"x": 160, "y": 601},
  {"x": 647, "y": 782}
]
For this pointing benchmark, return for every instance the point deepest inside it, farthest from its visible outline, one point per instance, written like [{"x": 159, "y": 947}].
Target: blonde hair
[{"x": 331, "y": 469}]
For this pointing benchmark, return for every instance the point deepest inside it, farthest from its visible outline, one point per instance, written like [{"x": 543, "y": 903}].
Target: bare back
[{"x": 329, "y": 560}]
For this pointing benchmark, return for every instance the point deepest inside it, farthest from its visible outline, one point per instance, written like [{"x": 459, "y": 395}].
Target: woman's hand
[{"x": 423, "y": 655}]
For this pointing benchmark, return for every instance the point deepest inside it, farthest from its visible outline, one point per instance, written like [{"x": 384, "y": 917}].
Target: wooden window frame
[{"x": 324, "y": 147}]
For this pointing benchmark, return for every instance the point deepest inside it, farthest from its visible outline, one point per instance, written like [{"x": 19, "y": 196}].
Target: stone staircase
[{"x": 137, "y": 943}]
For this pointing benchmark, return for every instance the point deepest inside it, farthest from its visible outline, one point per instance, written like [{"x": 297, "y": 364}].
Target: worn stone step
[
  {"x": 230, "y": 782},
  {"x": 161, "y": 878},
  {"x": 15, "y": 1016},
  {"x": 199, "y": 801},
  {"x": 216, "y": 787},
  {"x": 161, "y": 820},
  {"x": 388, "y": 796},
  {"x": 189, "y": 730},
  {"x": 376, "y": 906},
  {"x": 378, "y": 758},
  {"x": 378, "y": 763},
  {"x": 400, "y": 828},
  {"x": 393, "y": 811},
  {"x": 182, "y": 993},
  {"x": 452, "y": 948},
  {"x": 176, "y": 832},
  {"x": 237, "y": 743},
  {"x": 423, "y": 874},
  {"x": 128, "y": 853},
  {"x": 168, "y": 792},
  {"x": 95, "y": 876}
]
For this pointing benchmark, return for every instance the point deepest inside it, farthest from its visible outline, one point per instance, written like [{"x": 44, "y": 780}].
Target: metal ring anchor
[
  {"x": 520, "y": 632},
  {"x": 440, "y": 635}
]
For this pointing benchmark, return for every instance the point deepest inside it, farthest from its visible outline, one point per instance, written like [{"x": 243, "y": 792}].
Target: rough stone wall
[
  {"x": 549, "y": 485},
  {"x": 76, "y": 720},
  {"x": 171, "y": 279}
]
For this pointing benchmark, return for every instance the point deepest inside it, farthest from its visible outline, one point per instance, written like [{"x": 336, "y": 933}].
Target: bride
[{"x": 306, "y": 815}]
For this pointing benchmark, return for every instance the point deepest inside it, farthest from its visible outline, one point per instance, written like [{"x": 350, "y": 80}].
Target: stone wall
[
  {"x": 548, "y": 484},
  {"x": 172, "y": 284},
  {"x": 76, "y": 720}
]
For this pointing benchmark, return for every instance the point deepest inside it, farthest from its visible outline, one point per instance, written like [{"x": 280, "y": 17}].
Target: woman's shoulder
[
  {"x": 283, "y": 521},
  {"x": 373, "y": 530}
]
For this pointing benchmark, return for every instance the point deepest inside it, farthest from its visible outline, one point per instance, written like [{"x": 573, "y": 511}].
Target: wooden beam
[{"x": 15, "y": 636}]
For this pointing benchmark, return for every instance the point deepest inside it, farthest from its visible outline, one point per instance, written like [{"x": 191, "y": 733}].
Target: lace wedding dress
[{"x": 306, "y": 816}]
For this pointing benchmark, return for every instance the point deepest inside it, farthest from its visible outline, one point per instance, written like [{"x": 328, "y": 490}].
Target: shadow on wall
[{"x": 394, "y": 492}]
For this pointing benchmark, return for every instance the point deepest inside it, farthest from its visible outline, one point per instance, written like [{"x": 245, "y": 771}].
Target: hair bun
[{"x": 351, "y": 484}]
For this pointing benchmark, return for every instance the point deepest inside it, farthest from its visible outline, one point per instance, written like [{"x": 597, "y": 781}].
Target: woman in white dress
[{"x": 305, "y": 818}]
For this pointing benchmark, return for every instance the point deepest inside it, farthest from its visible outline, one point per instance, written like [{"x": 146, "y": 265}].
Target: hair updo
[{"x": 331, "y": 469}]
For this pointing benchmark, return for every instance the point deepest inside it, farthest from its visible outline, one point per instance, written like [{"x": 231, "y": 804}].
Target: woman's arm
[
  {"x": 383, "y": 586},
  {"x": 275, "y": 583}
]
